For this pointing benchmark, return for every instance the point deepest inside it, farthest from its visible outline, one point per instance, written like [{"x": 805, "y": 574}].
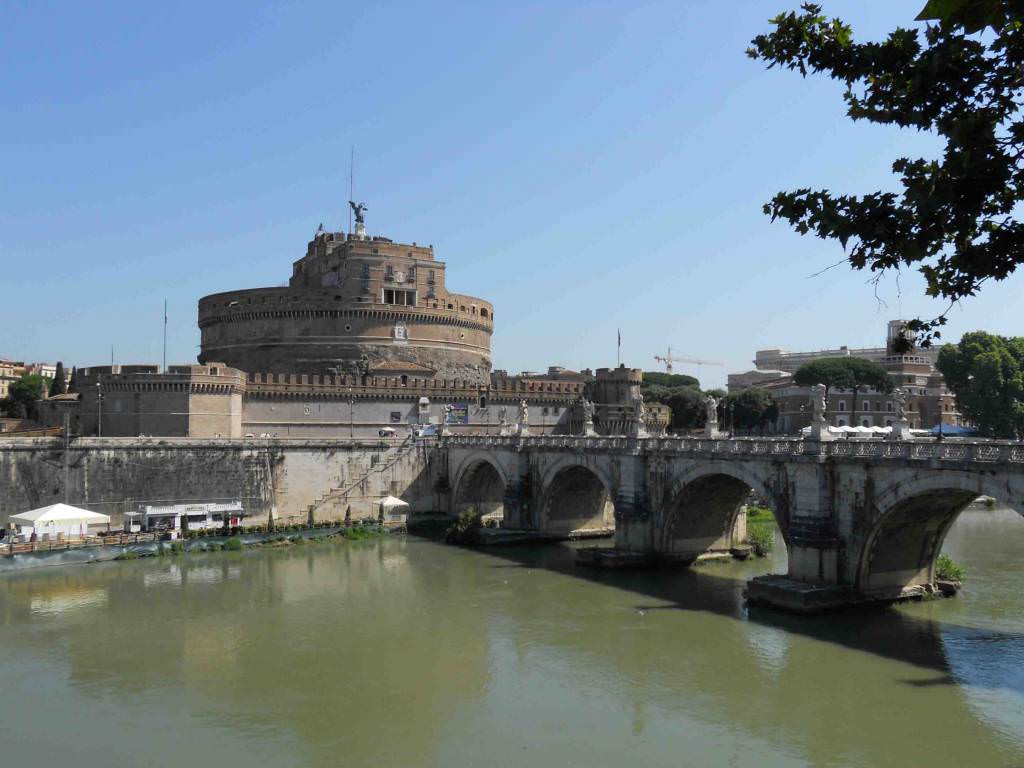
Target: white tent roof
[
  {"x": 58, "y": 513},
  {"x": 876, "y": 430},
  {"x": 390, "y": 502}
]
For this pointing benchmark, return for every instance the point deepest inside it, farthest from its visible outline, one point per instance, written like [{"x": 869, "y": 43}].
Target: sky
[{"x": 587, "y": 167}]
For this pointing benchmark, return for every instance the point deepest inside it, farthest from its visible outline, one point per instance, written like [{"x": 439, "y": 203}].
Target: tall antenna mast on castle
[{"x": 351, "y": 176}]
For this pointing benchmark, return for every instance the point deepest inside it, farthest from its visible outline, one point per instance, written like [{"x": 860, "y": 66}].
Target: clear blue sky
[{"x": 586, "y": 167}]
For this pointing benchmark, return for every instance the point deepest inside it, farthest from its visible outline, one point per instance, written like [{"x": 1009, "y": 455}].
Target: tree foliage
[
  {"x": 73, "y": 383},
  {"x": 687, "y": 405},
  {"x": 59, "y": 385},
  {"x": 669, "y": 380},
  {"x": 956, "y": 220},
  {"x": 986, "y": 373},
  {"x": 751, "y": 409},
  {"x": 20, "y": 402},
  {"x": 851, "y": 373},
  {"x": 830, "y": 371}
]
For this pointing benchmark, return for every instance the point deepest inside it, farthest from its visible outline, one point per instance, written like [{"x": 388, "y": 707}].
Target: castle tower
[{"x": 354, "y": 304}]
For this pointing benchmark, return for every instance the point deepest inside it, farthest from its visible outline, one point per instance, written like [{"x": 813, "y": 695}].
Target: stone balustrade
[{"x": 962, "y": 451}]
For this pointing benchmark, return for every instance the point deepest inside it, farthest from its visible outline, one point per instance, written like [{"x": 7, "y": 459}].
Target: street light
[
  {"x": 99, "y": 409},
  {"x": 351, "y": 412}
]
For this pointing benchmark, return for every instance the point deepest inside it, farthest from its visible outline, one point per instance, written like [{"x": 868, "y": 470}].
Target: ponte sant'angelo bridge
[{"x": 861, "y": 520}]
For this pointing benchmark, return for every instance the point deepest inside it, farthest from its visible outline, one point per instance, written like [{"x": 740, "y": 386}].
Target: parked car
[{"x": 386, "y": 431}]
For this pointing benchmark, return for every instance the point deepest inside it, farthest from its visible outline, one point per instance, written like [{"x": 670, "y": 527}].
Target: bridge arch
[
  {"x": 910, "y": 522},
  {"x": 480, "y": 485},
  {"x": 700, "y": 510},
  {"x": 576, "y": 496}
]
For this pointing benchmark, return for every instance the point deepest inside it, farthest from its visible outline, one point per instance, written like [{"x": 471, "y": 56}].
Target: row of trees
[{"x": 750, "y": 410}]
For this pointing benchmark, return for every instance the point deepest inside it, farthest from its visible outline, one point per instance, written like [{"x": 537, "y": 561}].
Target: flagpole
[
  {"x": 165, "y": 335},
  {"x": 618, "y": 348}
]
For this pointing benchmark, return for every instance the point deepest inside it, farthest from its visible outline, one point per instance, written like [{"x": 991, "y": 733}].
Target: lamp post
[
  {"x": 732, "y": 408},
  {"x": 351, "y": 413},
  {"x": 99, "y": 409}
]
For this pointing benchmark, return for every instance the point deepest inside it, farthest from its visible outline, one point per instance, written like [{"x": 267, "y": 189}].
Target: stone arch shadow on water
[
  {"x": 576, "y": 498},
  {"x": 911, "y": 521},
  {"x": 702, "y": 514}
]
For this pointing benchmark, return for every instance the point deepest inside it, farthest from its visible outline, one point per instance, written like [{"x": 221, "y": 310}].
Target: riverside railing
[{"x": 53, "y": 545}]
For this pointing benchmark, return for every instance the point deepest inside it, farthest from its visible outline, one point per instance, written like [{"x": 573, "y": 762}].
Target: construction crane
[{"x": 668, "y": 359}]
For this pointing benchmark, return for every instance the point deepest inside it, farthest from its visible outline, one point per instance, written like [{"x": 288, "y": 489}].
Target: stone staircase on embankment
[{"x": 367, "y": 478}]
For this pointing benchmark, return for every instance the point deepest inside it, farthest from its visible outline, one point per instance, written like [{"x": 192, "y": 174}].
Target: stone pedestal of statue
[
  {"x": 712, "y": 432},
  {"x": 901, "y": 431},
  {"x": 820, "y": 432}
]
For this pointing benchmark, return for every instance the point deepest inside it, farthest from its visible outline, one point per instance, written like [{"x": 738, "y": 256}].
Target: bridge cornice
[{"x": 856, "y": 451}]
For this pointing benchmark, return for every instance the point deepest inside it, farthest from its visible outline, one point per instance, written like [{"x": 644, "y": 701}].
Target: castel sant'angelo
[
  {"x": 365, "y": 340},
  {"x": 354, "y": 305}
]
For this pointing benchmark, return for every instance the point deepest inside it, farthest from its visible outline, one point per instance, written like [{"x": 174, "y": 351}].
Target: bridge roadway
[{"x": 862, "y": 520}]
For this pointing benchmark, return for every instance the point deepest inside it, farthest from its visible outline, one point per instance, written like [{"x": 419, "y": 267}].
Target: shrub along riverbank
[
  {"x": 760, "y": 530},
  {"x": 236, "y": 543}
]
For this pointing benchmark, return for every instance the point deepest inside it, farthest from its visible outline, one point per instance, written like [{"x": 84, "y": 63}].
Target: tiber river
[{"x": 407, "y": 652}]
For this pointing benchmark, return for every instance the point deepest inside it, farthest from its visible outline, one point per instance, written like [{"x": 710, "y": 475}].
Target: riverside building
[{"x": 929, "y": 400}]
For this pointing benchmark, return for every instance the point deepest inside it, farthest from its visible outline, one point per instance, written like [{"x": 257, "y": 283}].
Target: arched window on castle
[{"x": 483, "y": 312}]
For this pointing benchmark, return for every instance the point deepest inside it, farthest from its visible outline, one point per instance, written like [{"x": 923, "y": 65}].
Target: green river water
[{"x": 406, "y": 652}]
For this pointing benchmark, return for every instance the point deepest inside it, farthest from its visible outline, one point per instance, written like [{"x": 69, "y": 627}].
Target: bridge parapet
[{"x": 991, "y": 452}]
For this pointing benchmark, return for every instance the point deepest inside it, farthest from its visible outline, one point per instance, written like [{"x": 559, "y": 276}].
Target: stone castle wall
[{"x": 110, "y": 475}]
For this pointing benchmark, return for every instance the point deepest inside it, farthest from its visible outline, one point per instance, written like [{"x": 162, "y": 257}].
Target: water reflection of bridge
[
  {"x": 413, "y": 653},
  {"x": 861, "y": 520}
]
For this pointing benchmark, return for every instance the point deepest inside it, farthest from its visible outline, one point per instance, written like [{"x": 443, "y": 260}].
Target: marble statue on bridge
[
  {"x": 711, "y": 429},
  {"x": 523, "y": 424}
]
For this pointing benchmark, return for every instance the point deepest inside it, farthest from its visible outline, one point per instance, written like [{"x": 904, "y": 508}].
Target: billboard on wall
[{"x": 459, "y": 414}]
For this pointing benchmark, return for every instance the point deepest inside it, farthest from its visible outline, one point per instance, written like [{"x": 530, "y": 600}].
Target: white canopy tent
[
  {"x": 865, "y": 431},
  {"x": 57, "y": 519},
  {"x": 394, "y": 509}
]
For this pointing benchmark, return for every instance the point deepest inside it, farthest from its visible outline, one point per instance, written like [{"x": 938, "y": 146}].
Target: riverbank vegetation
[
  {"x": 465, "y": 531},
  {"x": 760, "y": 530},
  {"x": 236, "y": 543},
  {"x": 947, "y": 569}
]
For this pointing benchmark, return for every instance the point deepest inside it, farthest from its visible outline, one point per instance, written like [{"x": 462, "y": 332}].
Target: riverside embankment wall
[{"x": 112, "y": 475}]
